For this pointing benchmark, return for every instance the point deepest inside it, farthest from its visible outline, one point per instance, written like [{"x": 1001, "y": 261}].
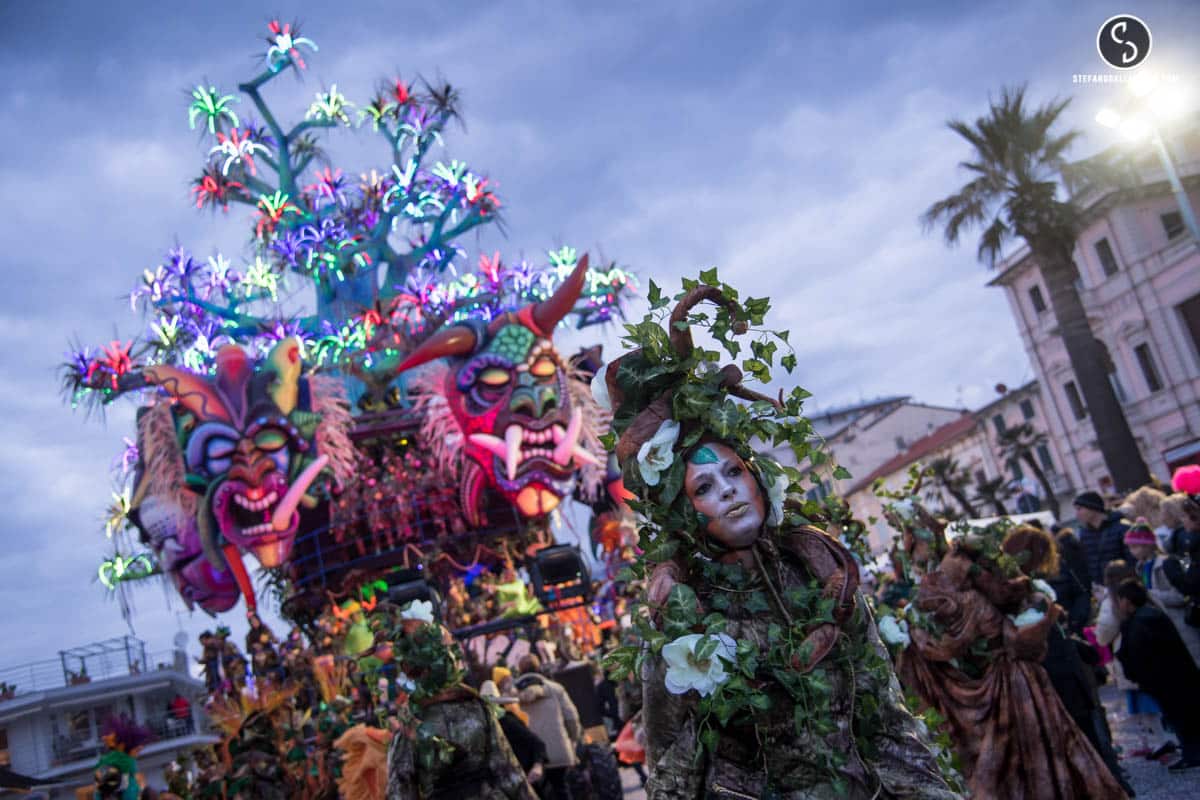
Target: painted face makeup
[{"x": 725, "y": 494}]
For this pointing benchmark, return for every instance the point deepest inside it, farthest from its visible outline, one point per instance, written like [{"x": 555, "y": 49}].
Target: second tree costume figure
[{"x": 763, "y": 674}]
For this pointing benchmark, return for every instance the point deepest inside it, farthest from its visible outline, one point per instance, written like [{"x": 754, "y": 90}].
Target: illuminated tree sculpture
[{"x": 380, "y": 252}]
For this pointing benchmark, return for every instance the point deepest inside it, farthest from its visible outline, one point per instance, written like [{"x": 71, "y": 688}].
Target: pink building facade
[
  {"x": 972, "y": 441},
  {"x": 1139, "y": 281}
]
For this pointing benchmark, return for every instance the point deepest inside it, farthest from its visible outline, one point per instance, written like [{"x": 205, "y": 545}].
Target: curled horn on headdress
[
  {"x": 681, "y": 340},
  {"x": 647, "y": 422}
]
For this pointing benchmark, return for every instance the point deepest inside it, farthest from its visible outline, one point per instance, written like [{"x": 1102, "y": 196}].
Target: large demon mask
[
  {"x": 171, "y": 531},
  {"x": 241, "y": 453},
  {"x": 518, "y": 416}
]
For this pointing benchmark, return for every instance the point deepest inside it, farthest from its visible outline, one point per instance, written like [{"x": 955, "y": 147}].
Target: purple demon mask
[{"x": 509, "y": 412}]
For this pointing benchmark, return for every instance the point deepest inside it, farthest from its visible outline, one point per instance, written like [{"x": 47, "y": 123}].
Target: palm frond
[{"x": 992, "y": 241}]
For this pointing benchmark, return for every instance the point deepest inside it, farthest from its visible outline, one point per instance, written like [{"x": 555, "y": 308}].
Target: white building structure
[
  {"x": 972, "y": 441},
  {"x": 52, "y": 719}
]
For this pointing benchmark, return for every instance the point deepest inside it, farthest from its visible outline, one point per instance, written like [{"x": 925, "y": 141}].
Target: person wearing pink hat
[{"x": 1153, "y": 569}]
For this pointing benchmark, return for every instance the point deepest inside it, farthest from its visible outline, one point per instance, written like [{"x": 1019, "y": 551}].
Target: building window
[
  {"x": 998, "y": 421},
  {"x": 1149, "y": 369},
  {"x": 901, "y": 445},
  {"x": 1074, "y": 400},
  {"x": 1043, "y": 454},
  {"x": 1035, "y": 297},
  {"x": 1108, "y": 261},
  {"x": 1172, "y": 223},
  {"x": 5, "y": 760},
  {"x": 1190, "y": 311},
  {"x": 1014, "y": 467},
  {"x": 1027, "y": 409}
]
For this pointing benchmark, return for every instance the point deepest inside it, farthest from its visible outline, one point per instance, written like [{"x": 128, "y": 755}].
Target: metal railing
[
  {"x": 35, "y": 676},
  {"x": 79, "y": 747},
  {"x": 115, "y": 658}
]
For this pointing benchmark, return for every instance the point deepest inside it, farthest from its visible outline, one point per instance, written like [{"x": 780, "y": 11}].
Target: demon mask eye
[
  {"x": 270, "y": 439},
  {"x": 494, "y": 378},
  {"x": 210, "y": 449},
  {"x": 543, "y": 367}
]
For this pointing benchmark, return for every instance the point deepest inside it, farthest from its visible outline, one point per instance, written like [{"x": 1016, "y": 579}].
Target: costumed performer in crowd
[
  {"x": 116, "y": 772},
  {"x": 976, "y": 634},
  {"x": 763, "y": 674},
  {"x": 449, "y": 745}
]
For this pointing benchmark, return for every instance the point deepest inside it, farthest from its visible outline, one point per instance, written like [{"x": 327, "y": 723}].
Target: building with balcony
[
  {"x": 1139, "y": 280},
  {"x": 52, "y": 712}
]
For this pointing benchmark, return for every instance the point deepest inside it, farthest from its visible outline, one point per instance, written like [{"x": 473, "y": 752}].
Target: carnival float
[
  {"x": 382, "y": 463},
  {"x": 355, "y": 412}
]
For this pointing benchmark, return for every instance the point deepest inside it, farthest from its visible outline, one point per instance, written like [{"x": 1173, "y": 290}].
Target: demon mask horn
[{"x": 463, "y": 339}]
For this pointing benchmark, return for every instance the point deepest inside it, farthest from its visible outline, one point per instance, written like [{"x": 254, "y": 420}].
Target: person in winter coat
[
  {"x": 1185, "y": 541},
  {"x": 606, "y": 699},
  {"x": 529, "y": 749},
  {"x": 1152, "y": 568},
  {"x": 1153, "y": 655},
  {"x": 1141, "y": 708},
  {"x": 555, "y": 720},
  {"x": 1070, "y": 583},
  {"x": 1102, "y": 534}
]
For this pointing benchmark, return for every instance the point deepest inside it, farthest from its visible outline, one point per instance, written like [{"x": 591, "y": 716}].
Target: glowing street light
[{"x": 1156, "y": 102}]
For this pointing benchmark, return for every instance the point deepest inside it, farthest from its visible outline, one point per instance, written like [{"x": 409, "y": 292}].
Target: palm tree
[
  {"x": 1017, "y": 168},
  {"x": 949, "y": 477},
  {"x": 1020, "y": 443},
  {"x": 994, "y": 492}
]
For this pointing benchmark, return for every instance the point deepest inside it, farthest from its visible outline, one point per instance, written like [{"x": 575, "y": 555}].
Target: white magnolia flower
[
  {"x": 421, "y": 610},
  {"x": 1030, "y": 616},
  {"x": 904, "y": 509},
  {"x": 894, "y": 632},
  {"x": 685, "y": 672},
  {"x": 657, "y": 454},
  {"x": 776, "y": 494},
  {"x": 1040, "y": 585},
  {"x": 600, "y": 388}
]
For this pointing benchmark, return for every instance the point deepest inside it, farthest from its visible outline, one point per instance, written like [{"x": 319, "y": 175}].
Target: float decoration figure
[
  {"x": 228, "y": 463},
  {"x": 507, "y": 411}
]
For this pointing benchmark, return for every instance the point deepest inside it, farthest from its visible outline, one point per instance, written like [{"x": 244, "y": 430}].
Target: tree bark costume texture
[
  {"x": 1015, "y": 738},
  {"x": 482, "y": 765},
  {"x": 745, "y": 764}
]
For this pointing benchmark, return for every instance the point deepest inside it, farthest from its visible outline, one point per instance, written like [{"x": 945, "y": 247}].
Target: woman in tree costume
[
  {"x": 449, "y": 745},
  {"x": 763, "y": 674},
  {"x": 973, "y": 642}
]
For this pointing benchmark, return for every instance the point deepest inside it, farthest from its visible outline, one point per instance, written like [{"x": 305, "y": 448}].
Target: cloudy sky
[{"x": 791, "y": 145}]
